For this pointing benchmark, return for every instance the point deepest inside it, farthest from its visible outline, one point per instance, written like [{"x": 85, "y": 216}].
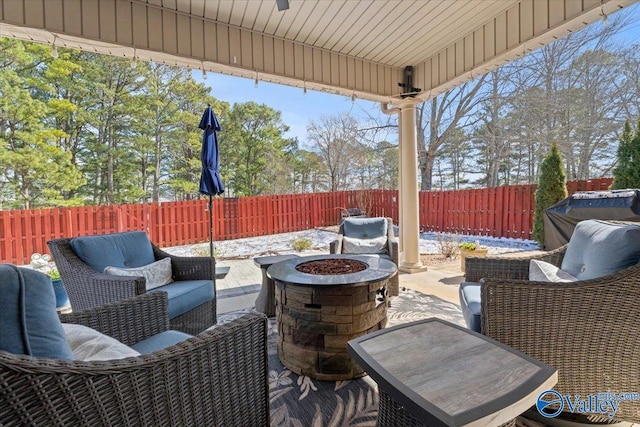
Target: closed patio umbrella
[{"x": 210, "y": 182}]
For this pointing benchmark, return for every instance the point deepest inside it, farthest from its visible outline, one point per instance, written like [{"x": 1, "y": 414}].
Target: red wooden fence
[{"x": 498, "y": 212}]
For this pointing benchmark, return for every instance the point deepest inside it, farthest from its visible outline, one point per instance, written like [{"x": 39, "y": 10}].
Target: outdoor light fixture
[
  {"x": 304, "y": 88},
  {"x": 282, "y": 5},
  {"x": 605, "y": 18},
  {"x": 256, "y": 82},
  {"x": 54, "y": 48},
  {"x": 204, "y": 72},
  {"x": 407, "y": 85},
  {"x": 134, "y": 60}
]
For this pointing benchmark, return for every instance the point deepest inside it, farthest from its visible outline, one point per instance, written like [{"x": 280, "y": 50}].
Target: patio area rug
[{"x": 300, "y": 401}]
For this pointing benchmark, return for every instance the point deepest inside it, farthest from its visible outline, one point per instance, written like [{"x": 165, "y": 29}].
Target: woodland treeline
[
  {"x": 577, "y": 91},
  {"x": 83, "y": 129}
]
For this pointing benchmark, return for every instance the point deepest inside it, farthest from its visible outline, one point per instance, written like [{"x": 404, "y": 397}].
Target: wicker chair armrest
[
  {"x": 335, "y": 246},
  {"x": 507, "y": 266},
  {"x": 393, "y": 244},
  {"x": 87, "y": 287},
  {"x": 98, "y": 289},
  {"x": 219, "y": 377},
  {"x": 587, "y": 330},
  {"x": 188, "y": 268},
  {"x": 130, "y": 320}
]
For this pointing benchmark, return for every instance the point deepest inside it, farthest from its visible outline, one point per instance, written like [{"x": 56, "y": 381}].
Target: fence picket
[{"x": 498, "y": 212}]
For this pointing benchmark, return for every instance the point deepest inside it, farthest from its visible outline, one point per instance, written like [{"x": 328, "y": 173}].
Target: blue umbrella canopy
[{"x": 210, "y": 182}]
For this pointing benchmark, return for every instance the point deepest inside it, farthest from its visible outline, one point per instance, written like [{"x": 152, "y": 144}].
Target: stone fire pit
[{"x": 324, "y": 301}]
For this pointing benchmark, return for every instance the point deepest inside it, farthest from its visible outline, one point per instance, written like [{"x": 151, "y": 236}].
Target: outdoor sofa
[
  {"x": 54, "y": 373},
  {"x": 102, "y": 269},
  {"x": 587, "y": 327}
]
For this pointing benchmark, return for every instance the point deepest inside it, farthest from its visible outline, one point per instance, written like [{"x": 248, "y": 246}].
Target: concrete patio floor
[{"x": 240, "y": 287}]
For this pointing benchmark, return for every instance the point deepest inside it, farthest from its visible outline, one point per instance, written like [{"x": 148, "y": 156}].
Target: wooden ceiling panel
[
  {"x": 341, "y": 46},
  {"x": 360, "y": 26},
  {"x": 322, "y": 13},
  {"x": 196, "y": 6},
  {"x": 381, "y": 35}
]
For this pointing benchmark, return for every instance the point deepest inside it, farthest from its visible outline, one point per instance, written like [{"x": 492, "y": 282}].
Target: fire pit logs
[{"x": 332, "y": 266}]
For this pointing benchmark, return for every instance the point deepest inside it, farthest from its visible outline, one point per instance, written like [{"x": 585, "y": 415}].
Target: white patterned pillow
[
  {"x": 351, "y": 245},
  {"x": 88, "y": 344},
  {"x": 157, "y": 273},
  {"x": 540, "y": 271}
]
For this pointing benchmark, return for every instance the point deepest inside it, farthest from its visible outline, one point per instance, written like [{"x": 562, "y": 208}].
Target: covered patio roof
[
  {"x": 356, "y": 48},
  {"x": 398, "y": 52}
]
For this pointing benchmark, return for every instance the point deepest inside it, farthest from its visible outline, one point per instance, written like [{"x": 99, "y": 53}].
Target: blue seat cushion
[
  {"x": 599, "y": 248},
  {"x": 365, "y": 228},
  {"x": 186, "y": 295},
  {"x": 159, "y": 341},
  {"x": 124, "y": 250},
  {"x": 471, "y": 304},
  {"x": 29, "y": 322}
]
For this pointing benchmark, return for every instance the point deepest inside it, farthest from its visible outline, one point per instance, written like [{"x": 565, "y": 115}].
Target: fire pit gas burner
[{"x": 332, "y": 266}]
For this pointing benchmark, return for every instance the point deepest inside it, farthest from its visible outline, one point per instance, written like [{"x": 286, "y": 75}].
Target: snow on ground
[
  {"x": 497, "y": 245},
  {"x": 320, "y": 239}
]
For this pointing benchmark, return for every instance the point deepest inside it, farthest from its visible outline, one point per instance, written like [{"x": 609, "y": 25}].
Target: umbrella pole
[
  {"x": 210, "y": 226},
  {"x": 211, "y": 240}
]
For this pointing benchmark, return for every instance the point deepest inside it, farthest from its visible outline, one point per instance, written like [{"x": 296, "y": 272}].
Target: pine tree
[
  {"x": 634, "y": 169},
  {"x": 623, "y": 170},
  {"x": 552, "y": 188}
]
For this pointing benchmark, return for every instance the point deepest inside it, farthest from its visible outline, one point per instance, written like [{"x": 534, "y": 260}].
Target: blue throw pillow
[
  {"x": 29, "y": 323},
  {"x": 599, "y": 248},
  {"x": 124, "y": 250}
]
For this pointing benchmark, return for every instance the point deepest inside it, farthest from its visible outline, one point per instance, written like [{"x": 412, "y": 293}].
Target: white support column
[
  {"x": 400, "y": 239},
  {"x": 389, "y": 111},
  {"x": 409, "y": 203}
]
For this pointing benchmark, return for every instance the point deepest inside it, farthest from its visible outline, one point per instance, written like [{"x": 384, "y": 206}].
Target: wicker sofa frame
[
  {"x": 335, "y": 247},
  {"x": 88, "y": 288},
  {"x": 217, "y": 378},
  {"x": 588, "y": 330}
]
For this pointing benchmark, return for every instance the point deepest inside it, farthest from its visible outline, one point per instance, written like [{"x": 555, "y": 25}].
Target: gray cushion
[
  {"x": 365, "y": 228},
  {"x": 186, "y": 295},
  {"x": 124, "y": 250},
  {"x": 541, "y": 271},
  {"x": 159, "y": 341},
  {"x": 29, "y": 322},
  {"x": 352, "y": 245},
  {"x": 470, "y": 303},
  {"x": 88, "y": 344},
  {"x": 156, "y": 274},
  {"x": 598, "y": 248}
]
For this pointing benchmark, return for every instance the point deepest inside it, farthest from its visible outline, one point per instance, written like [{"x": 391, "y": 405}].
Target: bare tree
[
  {"x": 438, "y": 118},
  {"x": 631, "y": 82},
  {"x": 335, "y": 140},
  {"x": 491, "y": 137}
]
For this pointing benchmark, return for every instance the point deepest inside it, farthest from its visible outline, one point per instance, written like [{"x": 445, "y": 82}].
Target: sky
[{"x": 297, "y": 108}]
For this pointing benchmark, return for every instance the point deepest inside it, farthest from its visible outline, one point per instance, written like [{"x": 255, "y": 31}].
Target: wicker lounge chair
[
  {"x": 357, "y": 228},
  {"x": 587, "y": 329},
  {"x": 88, "y": 287},
  {"x": 219, "y": 377}
]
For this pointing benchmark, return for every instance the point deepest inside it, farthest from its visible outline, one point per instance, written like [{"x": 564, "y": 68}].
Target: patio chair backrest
[
  {"x": 365, "y": 228},
  {"x": 599, "y": 248},
  {"x": 124, "y": 250}
]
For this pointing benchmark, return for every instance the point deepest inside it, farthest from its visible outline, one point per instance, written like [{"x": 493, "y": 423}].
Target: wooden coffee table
[{"x": 435, "y": 373}]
